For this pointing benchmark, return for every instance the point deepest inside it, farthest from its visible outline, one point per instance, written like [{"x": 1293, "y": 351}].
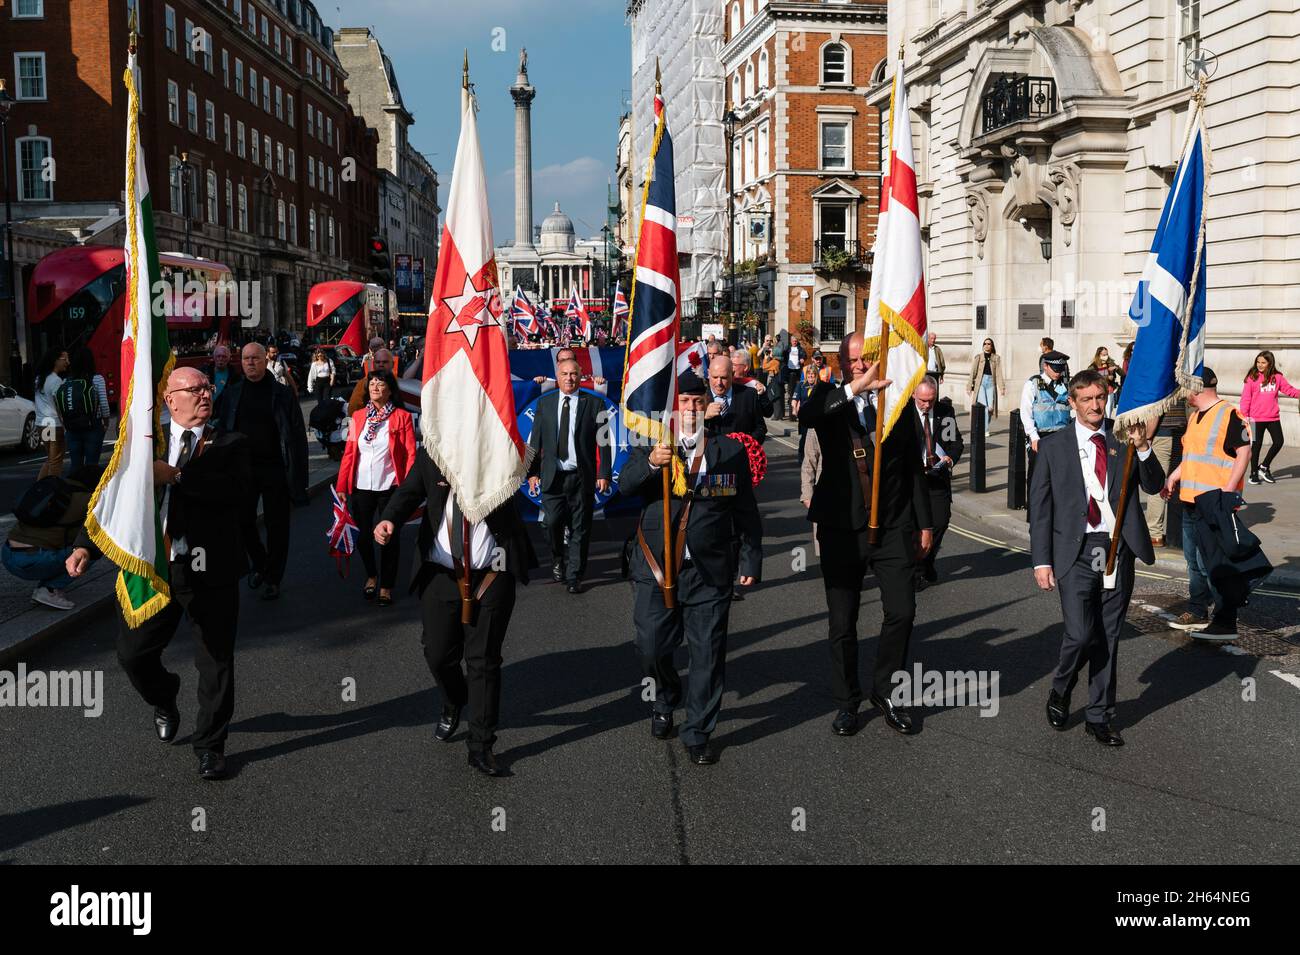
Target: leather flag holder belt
[
  {"x": 468, "y": 598},
  {"x": 679, "y": 544}
]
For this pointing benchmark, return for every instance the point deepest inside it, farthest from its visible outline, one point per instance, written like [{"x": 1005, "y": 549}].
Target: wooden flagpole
[
  {"x": 1113, "y": 551},
  {"x": 873, "y": 526}
]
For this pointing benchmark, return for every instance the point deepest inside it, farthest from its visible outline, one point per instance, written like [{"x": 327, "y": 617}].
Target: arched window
[
  {"x": 735, "y": 90},
  {"x": 763, "y": 80},
  {"x": 749, "y": 79},
  {"x": 832, "y": 312},
  {"x": 878, "y": 74},
  {"x": 243, "y": 208},
  {"x": 834, "y": 63},
  {"x": 213, "y": 201},
  {"x": 735, "y": 18}
]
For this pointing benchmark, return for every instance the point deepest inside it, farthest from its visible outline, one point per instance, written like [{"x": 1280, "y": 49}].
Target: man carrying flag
[
  {"x": 167, "y": 508},
  {"x": 696, "y": 488},
  {"x": 871, "y": 506},
  {"x": 472, "y": 542}
]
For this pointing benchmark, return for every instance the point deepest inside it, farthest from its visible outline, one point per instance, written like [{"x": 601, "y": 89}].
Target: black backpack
[
  {"x": 44, "y": 502},
  {"x": 76, "y": 402}
]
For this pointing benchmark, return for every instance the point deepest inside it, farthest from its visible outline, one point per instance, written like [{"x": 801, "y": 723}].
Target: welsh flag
[
  {"x": 897, "y": 297},
  {"x": 467, "y": 409},
  {"x": 123, "y": 518}
]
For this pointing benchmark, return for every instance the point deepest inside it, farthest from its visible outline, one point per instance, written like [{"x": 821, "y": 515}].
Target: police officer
[
  {"x": 1045, "y": 402},
  {"x": 713, "y": 496}
]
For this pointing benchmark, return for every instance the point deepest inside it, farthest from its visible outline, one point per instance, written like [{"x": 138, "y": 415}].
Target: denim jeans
[
  {"x": 986, "y": 397},
  {"x": 38, "y": 564},
  {"x": 84, "y": 447},
  {"x": 1201, "y": 591}
]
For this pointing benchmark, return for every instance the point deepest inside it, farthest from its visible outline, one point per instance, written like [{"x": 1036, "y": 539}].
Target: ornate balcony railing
[
  {"x": 1011, "y": 99},
  {"x": 836, "y": 254}
]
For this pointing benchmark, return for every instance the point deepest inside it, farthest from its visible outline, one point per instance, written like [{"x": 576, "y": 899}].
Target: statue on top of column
[{"x": 523, "y": 59}]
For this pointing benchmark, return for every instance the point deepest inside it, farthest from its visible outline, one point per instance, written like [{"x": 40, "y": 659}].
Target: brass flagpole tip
[
  {"x": 659, "y": 85},
  {"x": 465, "y": 76}
]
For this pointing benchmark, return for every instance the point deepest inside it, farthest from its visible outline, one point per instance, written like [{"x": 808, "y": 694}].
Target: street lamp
[
  {"x": 729, "y": 123},
  {"x": 183, "y": 169},
  {"x": 11, "y": 285}
]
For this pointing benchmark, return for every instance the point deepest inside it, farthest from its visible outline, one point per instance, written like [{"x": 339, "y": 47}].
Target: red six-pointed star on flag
[{"x": 467, "y": 308}]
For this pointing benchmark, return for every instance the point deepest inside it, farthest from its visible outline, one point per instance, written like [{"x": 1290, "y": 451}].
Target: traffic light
[{"x": 381, "y": 264}]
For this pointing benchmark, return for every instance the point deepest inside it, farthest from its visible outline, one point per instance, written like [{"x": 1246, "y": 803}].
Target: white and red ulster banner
[
  {"x": 898, "y": 287},
  {"x": 467, "y": 412}
]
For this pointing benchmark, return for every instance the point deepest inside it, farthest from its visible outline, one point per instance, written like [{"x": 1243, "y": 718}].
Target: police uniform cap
[{"x": 1056, "y": 359}]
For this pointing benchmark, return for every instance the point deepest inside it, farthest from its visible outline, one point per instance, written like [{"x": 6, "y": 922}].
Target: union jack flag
[
  {"x": 524, "y": 315},
  {"x": 342, "y": 535},
  {"x": 620, "y": 314},
  {"x": 575, "y": 310},
  {"x": 649, "y": 384}
]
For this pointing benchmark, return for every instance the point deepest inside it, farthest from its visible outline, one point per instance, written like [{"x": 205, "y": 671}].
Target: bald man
[
  {"x": 732, "y": 407},
  {"x": 264, "y": 410},
  {"x": 201, "y": 480}
]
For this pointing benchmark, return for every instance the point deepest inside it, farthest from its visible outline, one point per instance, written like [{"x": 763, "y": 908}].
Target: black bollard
[
  {"x": 978, "y": 416},
  {"x": 1016, "y": 478}
]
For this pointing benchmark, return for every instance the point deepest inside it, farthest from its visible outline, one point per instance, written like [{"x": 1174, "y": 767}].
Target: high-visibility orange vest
[{"x": 1205, "y": 466}]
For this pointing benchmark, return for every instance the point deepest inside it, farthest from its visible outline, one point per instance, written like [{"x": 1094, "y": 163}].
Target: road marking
[
  {"x": 1287, "y": 677},
  {"x": 792, "y": 445}
]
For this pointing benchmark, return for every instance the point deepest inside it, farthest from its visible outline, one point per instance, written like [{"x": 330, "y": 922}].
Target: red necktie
[{"x": 1099, "y": 466}]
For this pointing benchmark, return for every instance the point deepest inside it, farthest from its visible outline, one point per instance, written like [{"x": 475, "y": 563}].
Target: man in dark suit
[
  {"x": 732, "y": 407},
  {"x": 203, "y": 479},
  {"x": 499, "y": 559},
  {"x": 845, "y": 421},
  {"x": 941, "y": 448},
  {"x": 711, "y": 475},
  {"x": 565, "y": 468},
  {"x": 1074, "y": 496},
  {"x": 267, "y": 413}
]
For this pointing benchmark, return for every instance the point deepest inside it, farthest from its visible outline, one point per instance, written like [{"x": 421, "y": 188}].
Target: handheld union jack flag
[
  {"x": 577, "y": 311},
  {"x": 524, "y": 315},
  {"x": 649, "y": 384},
  {"x": 620, "y": 314},
  {"x": 342, "y": 535}
]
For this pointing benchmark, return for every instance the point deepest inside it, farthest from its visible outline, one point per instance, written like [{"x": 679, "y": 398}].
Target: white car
[{"x": 17, "y": 421}]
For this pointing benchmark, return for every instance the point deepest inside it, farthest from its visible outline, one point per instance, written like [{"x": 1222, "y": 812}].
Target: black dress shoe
[
  {"x": 1103, "y": 734},
  {"x": 661, "y": 725},
  {"x": 846, "y": 723},
  {"x": 702, "y": 754},
  {"x": 484, "y": 762},
  {"x": 165, "y": 722},
  {"x": 212, "y": 765},
  {"x": 931, "y": 575},
  {"x": 255, "y": 579},
  {"x": 899, "y": 720},
  {"x": 1058, "y": 710},
  {"x": 447, "y": 724},
  {"x": 557, "y": 571},
  {"x": 573, "y": 588},
  {"x": 737, "y": 593},
  {"x": 919, "y": 583},
  {"x": 272, "y": 592}
]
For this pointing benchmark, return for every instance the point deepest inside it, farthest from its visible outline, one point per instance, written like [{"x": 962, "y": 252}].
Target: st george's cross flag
[
  {"x": 576, "y": 311},
  {"x": 123, "y": 518},
  {"x": 467, "y": 411},
  {"x": 618, "y": 322},
  {"x": 1169, "y": 306},
  {"x": 649, "y": 382},
  {"x": 897, "y": 297}
]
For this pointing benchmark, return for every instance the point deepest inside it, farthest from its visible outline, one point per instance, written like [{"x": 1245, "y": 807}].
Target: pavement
[{"x": 334, "y": 760}]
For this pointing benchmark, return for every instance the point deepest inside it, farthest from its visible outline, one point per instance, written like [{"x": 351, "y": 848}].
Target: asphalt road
[{"x": 1206, "y": 777}]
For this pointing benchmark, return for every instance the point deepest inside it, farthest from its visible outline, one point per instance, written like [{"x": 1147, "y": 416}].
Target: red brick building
[
  {"x": 281, "y": 180},
  {"x": 804, "y": 157}
]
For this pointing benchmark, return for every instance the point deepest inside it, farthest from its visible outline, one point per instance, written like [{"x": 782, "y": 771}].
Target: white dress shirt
[
  {"x": 375, "y": 471},
  {"x": 482, "y": 544},
  {"x": 939, "y": 452},
  {"x": 569, "y": 463},
  {"x": 180, "y": 546}
]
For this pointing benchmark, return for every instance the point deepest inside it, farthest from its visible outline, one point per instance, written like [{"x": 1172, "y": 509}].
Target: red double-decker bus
[
  {"x": 340, "y": 313},
  {"x": 77, "y": 297}
]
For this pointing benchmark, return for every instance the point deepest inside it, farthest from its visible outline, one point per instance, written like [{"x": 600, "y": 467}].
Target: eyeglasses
[{"x": 197, "y": 391}]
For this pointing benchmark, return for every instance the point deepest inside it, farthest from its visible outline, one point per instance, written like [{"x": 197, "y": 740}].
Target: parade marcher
[
  {"x": 320, "y": 377},
  {"x": 48, "y": 520},
  {"x": 1169, "y": 429},
  {"x": 205, "y": 479},
  {"x": 1216, "y": 453},
  {"x": 1260, "y": 393},
  {"x": 941, "y": 447},
  {"x": 986, "y": 381},
  {"x": 1075, "y": 495},
  {"x": 499, "y": 556},
  {"x": 381, "y": 360},
  {"x": 49, "y": 379},
  {"x": 257, "y": 406},
  {"x": 220, "y": 372},
  {"x": 806, "y": 388},
  {"x": 378, "y": 455},
  {"x": 1045, "y": 404},
  {"x": 711, "y": 475},
  {"x": 596, "y": 383},
  {"x": 572, "y": 463},
  {"x": 845, "y": 421},
  {"x": 810, "y": 470},
  {"x": 934, "y": 362},
  {"x": 795, "y": 358},
  {"x": 732, "y": 408}
]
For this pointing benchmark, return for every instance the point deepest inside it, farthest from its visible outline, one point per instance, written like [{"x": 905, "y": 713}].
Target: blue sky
[{"x": 579, "y": 60}]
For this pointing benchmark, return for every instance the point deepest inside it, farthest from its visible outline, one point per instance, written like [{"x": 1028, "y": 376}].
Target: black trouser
[
  {"x": 1093, "y": 619},
  {"x": 701, "y": 617},
  {"x": 569, "y": 505},
  {"x": 213, "y": 613},
  {"x": 273, "y": 490},
  {"x": 447, "y": 641},
  {"x": 366, "y": 507},
  {"x": 1273, "y": 429},
  {"x": 941, "y": 509},
  {"x": 845, "y": 557},
  {"x": 322, "y": 388}
]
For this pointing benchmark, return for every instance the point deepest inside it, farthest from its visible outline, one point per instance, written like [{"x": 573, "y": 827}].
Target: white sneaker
[{"x": 52, "y": 598}]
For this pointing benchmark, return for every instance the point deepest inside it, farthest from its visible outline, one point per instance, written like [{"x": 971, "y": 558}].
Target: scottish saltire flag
[
  {"x": 649, "y": 384},
  {"x": 576, "y": 312},
  {"x": 123, "y": 518},
  {"x": 1169, "y": 306},
  {"x": 619, "y": 320},
  {"x": 897, "y": 297},
  {"x": 523, "y": 314}
]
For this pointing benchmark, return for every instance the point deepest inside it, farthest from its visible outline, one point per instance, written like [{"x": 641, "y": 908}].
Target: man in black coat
[
  {"x": 941, "y": 446},
  {"x": 714, "y": 500},
  {"x": 569, "y": 468},
  {"x": 500, "y": 556},
  {"x": 1069, "y": 540},
  {"x": 267, "y": 412},
  {"x": 845, "y": 421},
  {"x": 203, "y": 481},
  {"x": 732, "y": 407}
]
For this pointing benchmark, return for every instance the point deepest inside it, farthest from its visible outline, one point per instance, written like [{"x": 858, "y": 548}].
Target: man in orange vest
[{"x": 1216, "y": 454}]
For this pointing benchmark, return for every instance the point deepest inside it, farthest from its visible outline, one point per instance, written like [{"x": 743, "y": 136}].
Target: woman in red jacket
[{"x": 379, "y": 452}]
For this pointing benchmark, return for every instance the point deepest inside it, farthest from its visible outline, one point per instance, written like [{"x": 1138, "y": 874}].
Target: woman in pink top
[{"x": 1259, "y": 398}]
